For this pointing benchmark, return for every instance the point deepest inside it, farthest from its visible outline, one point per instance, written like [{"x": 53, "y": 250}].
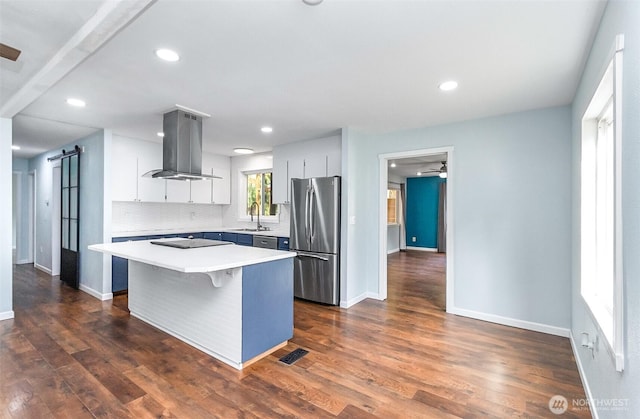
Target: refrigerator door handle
[
  {"x": 306, "y": 214},
  {"x": 312, "y": 212},
  {"x": 301, "y": 255}
]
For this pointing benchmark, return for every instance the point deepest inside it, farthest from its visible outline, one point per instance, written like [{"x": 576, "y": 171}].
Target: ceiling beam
[{"x": 111, "y": 17}]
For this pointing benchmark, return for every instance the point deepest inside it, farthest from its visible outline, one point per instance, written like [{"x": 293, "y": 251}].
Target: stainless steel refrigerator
[{"x": 315, "y": 236}]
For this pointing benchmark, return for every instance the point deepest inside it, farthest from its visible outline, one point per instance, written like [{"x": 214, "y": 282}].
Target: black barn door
[{"x": 69, "y": 254}]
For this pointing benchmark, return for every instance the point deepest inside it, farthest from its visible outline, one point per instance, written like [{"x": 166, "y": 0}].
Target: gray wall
[
  {"x": 511, "y": 193},
  {"x": 621, "y": 17},
  {"x": 95, "y": 216}
]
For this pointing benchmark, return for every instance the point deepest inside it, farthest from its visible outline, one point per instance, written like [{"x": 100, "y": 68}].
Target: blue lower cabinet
[
  {"x": 283, "y": 243},
  {"x": 230, "y": 237},
  {"x": 191, "y": 235},
  {"x": 212, "y": 236},
  {"x": 245, "y": 240},
  {"x": 120, "y": 266},
  {"x": 267, "y": 306}
]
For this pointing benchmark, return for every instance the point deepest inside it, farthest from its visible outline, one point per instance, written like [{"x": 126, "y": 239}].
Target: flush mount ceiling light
[
  {"x": 243, "y": 150},
  {"x": 15, "y": 147},
  {"x": 419, "y": 173},
  {"x": 76, "y": 102},
  {"x": 167, "y": 55},
  {"x": 312, "y": 2},
  {"x": 160, "y": 134},
  {"x": 392, "y": 165},
  {"x": 266, "y": 130},
  {"x": 448, "y": 85}
]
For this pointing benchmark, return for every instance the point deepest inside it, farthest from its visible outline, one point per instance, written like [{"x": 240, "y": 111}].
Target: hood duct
[{"x": 181, "y": 147}]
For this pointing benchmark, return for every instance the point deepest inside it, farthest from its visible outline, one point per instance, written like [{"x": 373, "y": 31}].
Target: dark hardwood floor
[{"x": 67, "y": 354}]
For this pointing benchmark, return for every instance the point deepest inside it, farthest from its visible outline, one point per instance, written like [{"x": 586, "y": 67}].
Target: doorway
[
  {"x": 56, "y": 214},
  {"x": 385, "y": 160}
]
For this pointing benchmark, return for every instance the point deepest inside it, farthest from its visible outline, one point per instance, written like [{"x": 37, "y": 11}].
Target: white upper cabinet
[
  {"x": 124, "y": 171},
  {"x": 132, "y": 158},
  {"x": 221, "y": 188},
  {"x": 304, "y": 159},
  {"x": 215, "y": 191},
  {"x": 149, "y": 158}
]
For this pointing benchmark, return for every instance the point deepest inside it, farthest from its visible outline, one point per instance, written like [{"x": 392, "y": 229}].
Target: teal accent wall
[{"x": 422, "y": 211}]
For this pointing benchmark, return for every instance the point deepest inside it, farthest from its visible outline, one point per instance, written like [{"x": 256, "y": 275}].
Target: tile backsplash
[{"x": 147, "y": 216}]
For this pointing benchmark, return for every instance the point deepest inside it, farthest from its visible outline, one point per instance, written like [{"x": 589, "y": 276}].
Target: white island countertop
[{"x": 203, "y": 259}]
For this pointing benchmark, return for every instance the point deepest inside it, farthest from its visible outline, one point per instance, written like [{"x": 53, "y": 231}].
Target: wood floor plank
[
  {"x": 66, "y": 354},
  {"x": 118, "y": 384}
]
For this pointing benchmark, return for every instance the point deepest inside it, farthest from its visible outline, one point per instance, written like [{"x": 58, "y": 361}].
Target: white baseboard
[
  {"x": 100, "y": 296},
  {"x": 583, "y": 376},
  {"x": 507, "y": 321},
  {"x": 359, "y": 298},
  {"x": 6, "y": 315},
  {"x": 423, "y": 249},
  {"x": 42, "y": 268},
  {"x": 22, "y": 261},
  {"x": 396, "y": 250}
]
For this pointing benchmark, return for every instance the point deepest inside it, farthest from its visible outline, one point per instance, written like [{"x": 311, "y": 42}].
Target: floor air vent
[{"x": 293, "y": 356}]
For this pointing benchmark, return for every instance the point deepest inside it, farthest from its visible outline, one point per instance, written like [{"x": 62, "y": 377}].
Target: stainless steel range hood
[{"x": 181, "y": 147}]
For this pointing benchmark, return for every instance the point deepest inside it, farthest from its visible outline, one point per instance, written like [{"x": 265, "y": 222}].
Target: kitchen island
[{"x": 234, "y": 303}]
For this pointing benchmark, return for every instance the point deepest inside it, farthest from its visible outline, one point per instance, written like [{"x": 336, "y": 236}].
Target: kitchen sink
[{"x": 249, "y": 229}]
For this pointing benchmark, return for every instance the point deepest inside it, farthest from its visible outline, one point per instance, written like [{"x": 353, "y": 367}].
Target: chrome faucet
[{"x": 258, "y": 226}]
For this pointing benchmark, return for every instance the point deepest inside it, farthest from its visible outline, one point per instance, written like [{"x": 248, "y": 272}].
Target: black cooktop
[{"x": 190, "y": 243}]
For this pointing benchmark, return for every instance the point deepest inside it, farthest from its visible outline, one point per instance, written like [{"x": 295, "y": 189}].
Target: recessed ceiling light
[
  {"x": 167, "y": 55},
  {"x": 266, "y": 129},
  {"x": 448, "y": 85},
  {"x": 160, "y": 134},
  {"x": 419, "y": 173},
  {"x": 393, "y": 165},
  {"x": 312, "y": 2},
  {"x": 243, "y": 150},
  {"x": 15, "y": 147},
  {"x": 76, "y": 102}
]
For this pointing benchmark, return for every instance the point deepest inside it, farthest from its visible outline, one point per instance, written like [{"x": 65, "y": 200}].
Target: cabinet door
[
  {"x": 221, "y": 188},
  {"x": 200, "y": 190},
  {"x": 124, "y": 172},
  {"x": 230, "y": 237},
  {"x": 149, "y": 158},
  {"x": 245, "y": 239},
  {"x": 315, "y": 166},
  {"x": 178, "y": 190},
  {"x": 280, "y": 183},
  {"x": 212, "y": 236}
]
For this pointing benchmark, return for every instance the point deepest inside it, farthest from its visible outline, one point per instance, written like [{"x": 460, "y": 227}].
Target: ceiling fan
[
  {"x": 9, "y": 53},
  {"x": 442, "y": 171}
]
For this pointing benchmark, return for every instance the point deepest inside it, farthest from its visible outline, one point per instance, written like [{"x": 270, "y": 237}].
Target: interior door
[{"x": 70, "y": 224}]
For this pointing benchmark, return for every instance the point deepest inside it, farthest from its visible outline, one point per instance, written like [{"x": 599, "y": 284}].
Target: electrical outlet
[{"x": 413, "y": 239}]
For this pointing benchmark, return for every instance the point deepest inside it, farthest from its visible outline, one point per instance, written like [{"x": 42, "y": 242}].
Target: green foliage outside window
[{"x": 259, "y": 192}]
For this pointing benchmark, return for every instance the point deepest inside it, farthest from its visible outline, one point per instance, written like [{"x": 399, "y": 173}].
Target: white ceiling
[{"x": 307, "y": 71}]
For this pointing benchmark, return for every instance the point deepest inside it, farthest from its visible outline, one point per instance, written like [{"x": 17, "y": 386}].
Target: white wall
[
  {"x": 600, "y": 376},
  {"x": 95, "y": 216},
  {"x": 6, "y": 267},
  {"x": 511, "y": 183},
  {"x": 230, "y": 213}
]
